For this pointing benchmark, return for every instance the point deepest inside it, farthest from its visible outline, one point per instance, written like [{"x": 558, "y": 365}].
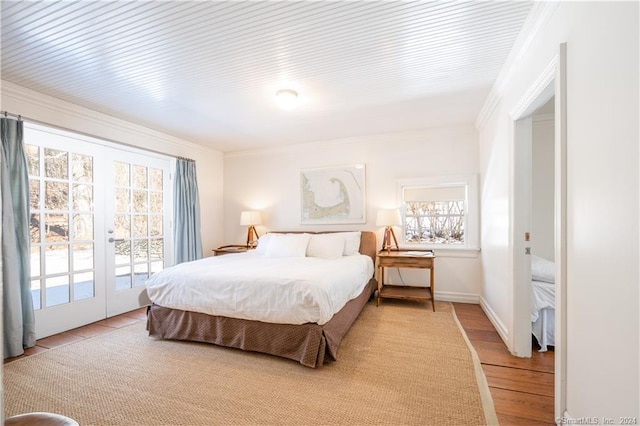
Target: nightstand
[
  {"x": 405, "y": 259},
  {"x": 229, "y": 249}
]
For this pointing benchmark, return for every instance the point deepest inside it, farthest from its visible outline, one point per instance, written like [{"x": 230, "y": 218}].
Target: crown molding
[
  {"x": 538, "y": 18},
  {"x": 41, "y": 106}
]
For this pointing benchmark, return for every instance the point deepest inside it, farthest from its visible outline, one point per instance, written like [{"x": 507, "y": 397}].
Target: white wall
[
  {"x": 542, "y": 182},
  {"x": 602, "y": 184},
  {"x": 269, "y": 181},
  {"x": 209, "y": 163}
]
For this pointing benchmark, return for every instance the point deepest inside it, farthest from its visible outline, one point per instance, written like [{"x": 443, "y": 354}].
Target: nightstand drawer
[{"x": 405, "y": 262}]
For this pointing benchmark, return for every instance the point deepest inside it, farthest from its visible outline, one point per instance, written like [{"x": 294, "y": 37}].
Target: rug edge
[
  {"x": 485, "y": 393},
  {"x": 22, "y": 358}
]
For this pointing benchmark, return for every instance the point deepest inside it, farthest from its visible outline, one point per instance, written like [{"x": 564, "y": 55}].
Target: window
[{"x": 439, "y": 212}]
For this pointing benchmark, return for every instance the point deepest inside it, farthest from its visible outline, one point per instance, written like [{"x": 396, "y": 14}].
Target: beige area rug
[{"x": 401, "y": 363}]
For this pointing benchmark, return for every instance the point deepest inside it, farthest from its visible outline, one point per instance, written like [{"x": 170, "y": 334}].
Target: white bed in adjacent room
[{"x": 543, "y": 290}]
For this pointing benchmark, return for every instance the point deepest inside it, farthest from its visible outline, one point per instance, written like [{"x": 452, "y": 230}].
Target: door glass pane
[
  {"x": 121, "y": 174},
  {"x": 34, "y": 228},
  {"x": 155, "y": 179},
  {"x": 56, "y": 259},
  {"x": 122, "y": 200},
  {"x": 82, "y": 197},
  {"x": 83, "y": 257},
  {"x": 56, "y": 195},
  {"x": 155, "y": 202},
  {"x": 139, "y": 201},
  {"x": 33, "y": 159},
  {"x": 82, "y": 168},
  {"x": 123, "y": 226},
  {"x": 140, "y": 251},
  {"x": 139, "y": 176},
  {"x": 140, "y": 226},
  {"x": 141, "y": 274},
  {"x": 34, "y": 194},
  {"x": 123, "y": 252},
  {"x": 83, "y": 227},
  {"x": 83, "y": 286},
  {"x": 56, "y": 163},
  {"x": 56, "y": 227},
  {"x": 57, "y": 289},
  {"x": 123, "y": 278},
  {"x": 157, "y": 249},
  {"x": 35, "y": 261},
  {"x": 155, "y": 226}
]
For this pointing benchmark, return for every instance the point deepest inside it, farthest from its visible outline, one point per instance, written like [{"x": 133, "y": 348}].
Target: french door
[
  {"x": 138, "y": 194},
  {"x": 100, "y": 225}
]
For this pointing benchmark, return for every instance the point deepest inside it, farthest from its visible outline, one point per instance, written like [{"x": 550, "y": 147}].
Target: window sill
[{"x": 470, "y": 252}]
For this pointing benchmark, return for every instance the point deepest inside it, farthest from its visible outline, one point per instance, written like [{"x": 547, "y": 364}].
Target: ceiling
[{"x": 207, "y": 71}]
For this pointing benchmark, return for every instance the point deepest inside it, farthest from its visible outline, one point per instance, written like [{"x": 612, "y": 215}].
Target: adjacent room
[{"x": 234, "y": 212}]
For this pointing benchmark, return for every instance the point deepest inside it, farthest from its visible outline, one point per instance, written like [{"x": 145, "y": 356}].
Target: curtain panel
[
  {"x": 17, "y": 309},
  {"x": 186, "y": 213}
]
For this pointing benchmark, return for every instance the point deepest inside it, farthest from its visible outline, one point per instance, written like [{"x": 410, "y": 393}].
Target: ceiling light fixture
[{"x": 287, "y": 99}]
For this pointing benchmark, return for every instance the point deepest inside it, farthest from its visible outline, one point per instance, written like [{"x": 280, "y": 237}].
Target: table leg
[{"x": 432, "y": 288}]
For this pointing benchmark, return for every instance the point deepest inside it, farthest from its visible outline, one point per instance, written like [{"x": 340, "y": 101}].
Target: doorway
[
  {"x": 551, "y": 84},
  {"x": 99, "y": 225}
]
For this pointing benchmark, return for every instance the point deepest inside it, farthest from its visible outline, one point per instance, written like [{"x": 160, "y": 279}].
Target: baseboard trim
[
  {"x": 493, "y": 317},
  {"x": 450, "y": 296}
]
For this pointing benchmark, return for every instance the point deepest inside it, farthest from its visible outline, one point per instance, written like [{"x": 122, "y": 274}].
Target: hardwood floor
[{"x": 521, "y": 388}]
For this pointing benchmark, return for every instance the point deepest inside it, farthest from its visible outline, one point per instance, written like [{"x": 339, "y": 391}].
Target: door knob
[{"x": 111, "y": 240}]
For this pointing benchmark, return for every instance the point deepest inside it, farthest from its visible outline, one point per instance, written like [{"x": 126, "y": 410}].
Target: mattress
[{"x": 251, "y": 286}]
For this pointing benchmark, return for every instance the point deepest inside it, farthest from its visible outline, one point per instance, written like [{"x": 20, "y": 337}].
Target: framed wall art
[{"x": 333, "y": 195}]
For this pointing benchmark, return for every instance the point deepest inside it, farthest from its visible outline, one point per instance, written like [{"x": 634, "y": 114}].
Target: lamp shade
[
  {"x": 250, "y": 218},
  {"x": 388, "y": 217}
]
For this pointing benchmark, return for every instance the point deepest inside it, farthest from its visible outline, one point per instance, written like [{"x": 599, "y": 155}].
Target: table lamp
[
  {"x": 251, "y": 218},
  {"x": 389, "y": 218}
]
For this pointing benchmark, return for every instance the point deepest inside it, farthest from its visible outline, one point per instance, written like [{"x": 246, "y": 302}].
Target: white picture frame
[{"x": 333, "y": 195}]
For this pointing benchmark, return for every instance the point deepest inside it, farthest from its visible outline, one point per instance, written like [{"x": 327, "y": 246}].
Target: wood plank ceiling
[{"x": 207, "y": 71}]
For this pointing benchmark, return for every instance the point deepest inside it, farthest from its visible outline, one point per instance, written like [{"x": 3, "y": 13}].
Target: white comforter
[
  {"x": 544, "y": 295},
  {"x": 250, "y": 286}
]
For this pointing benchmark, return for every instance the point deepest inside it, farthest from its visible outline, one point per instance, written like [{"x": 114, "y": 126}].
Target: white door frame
[{"x": 551, "y": 82}]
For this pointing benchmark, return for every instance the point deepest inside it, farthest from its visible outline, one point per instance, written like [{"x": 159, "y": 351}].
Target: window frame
[{"x": 471, "y": 213}]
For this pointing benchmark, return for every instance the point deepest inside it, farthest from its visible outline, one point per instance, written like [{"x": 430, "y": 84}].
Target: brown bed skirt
[{"x": 310, "y": 344}]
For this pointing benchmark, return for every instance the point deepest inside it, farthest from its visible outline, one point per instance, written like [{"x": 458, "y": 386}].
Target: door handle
[{"x": 111, "y": 240}]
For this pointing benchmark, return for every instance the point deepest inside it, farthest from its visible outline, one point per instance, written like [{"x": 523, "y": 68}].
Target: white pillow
[
  {"x": 288, "y": 245},
  {"x": 351, "y": 242},
  {"x": 542, "y": 269},
  {"x": 326, "y": 246},
  {"x": 263, "y": 243}
]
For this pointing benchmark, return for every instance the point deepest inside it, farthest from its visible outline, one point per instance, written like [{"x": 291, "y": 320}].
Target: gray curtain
[
  {"x": 17, "y": 309},
  {"x": 186, "y": 213}
]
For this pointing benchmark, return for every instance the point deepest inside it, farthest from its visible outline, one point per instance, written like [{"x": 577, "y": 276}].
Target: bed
[
  {"x": 268, "y": 319},
  {"x": 543, "y": 301}
]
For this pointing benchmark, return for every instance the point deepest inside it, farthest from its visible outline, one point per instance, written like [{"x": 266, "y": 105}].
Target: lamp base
[
  {"x": 251, "y": 243},
  {"x": 386, "y": 242}
]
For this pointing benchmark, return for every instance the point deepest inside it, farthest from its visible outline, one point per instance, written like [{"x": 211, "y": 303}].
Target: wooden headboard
[{"x": 368, "y": 242}]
